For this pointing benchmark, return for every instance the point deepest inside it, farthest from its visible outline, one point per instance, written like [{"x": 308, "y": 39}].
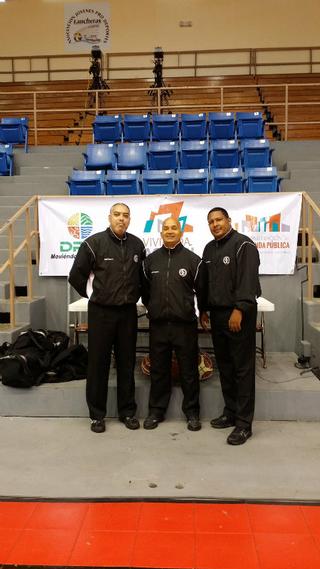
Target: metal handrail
[
  {"x": 218, "y": 104},
  {"x": 309, "y": 240},
  {"x": 248, "y": 60},
  {"x": 31, "y": 234}
]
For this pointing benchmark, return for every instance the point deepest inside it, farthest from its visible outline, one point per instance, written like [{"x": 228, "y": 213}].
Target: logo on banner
[
  {"x": 173, "y": 209},
  {"x": 79, "y": 227},
  {"x": 267, "y": 231},
  {"x": 270, "y": 224}
]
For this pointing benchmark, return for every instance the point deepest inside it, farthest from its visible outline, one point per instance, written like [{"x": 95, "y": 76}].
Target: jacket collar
[
  {"x": 115, "y": 237},
  {"x": 174, "y": 249}
]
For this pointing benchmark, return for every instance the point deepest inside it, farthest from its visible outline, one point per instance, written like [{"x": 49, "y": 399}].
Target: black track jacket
[
  {"x": 171, "y": 281},
  {"x": 107, "y": 269},
  {"x": 232, "y": 266}
]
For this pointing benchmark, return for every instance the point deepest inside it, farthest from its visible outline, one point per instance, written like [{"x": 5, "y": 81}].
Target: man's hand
[
  {"x": 204, "y": 321},
  {"x": 235, "y": 320}
]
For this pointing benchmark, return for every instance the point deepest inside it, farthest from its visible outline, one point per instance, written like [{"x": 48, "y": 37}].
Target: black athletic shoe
[
  {"x": 98, "y": 425},
  {"x": 151, "y": 422},
  {"x": 131, "y": 423},
  {"x": 193, "y": 424},
  {"x": 239, "y": 436},
  {"x": 222, "y": 422}
]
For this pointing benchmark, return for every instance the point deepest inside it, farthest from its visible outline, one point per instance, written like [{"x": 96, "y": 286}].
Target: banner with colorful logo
[
  {"x": 87, "y": 25},
  {"x": 272, "y": 221}
]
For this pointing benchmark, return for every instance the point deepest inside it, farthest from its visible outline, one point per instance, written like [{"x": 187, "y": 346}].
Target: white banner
[
  {"x": 86, "y": 25},
  {"x": 272, "y": 221}
]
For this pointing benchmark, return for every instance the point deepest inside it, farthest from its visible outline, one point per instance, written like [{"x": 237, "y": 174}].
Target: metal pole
[
  {"x": 11, "y": 277},
  {"x": 286, "y": 112},
  {"x": 310, "y": 239}
]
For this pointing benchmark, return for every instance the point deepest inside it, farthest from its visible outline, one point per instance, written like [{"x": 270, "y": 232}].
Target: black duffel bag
[{"x": 26, "y": 361}]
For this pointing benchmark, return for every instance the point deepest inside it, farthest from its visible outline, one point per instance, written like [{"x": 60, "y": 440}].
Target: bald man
[
  {"x": 171, "y": 280},
  {"x": 107, "y": 270}
]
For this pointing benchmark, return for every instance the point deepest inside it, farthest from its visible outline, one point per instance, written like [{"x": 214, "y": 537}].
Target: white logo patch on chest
[
  {"x": 226, "y": 260},
  {"x": 183, "y": 272},
  {"x": 136, "y": 258}
]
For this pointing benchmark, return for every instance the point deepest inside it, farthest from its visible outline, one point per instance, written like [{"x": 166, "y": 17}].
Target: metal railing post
[
  {"x": 286, "y": 112},
  {"x": 11, "y": 277},
  {"x": 35, "y": 124},
  {"x": 310, "y": 240},
  {"x": 28, "y": 255},
  {"x": 303, "y": 233}
]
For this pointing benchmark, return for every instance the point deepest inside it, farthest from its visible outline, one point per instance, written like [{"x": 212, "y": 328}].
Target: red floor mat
[{"x": 160, "y": 535}]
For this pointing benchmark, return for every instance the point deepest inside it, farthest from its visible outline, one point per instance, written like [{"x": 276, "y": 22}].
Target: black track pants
[
  {"x": 111, "y": 327},
  {"x": 236, "y": 356},
  {"x": 182, "y": 338}
]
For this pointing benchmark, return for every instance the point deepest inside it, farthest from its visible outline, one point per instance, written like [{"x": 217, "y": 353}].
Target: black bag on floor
[
  {"x": 26, "y": 361},
  {"x": 70, "y": 364}
]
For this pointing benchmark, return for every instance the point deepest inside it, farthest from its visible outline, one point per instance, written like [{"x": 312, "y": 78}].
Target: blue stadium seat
[
  {"x": 250, "y": 125},
  {"x": 86, "y": 182},
  {"x": 193, "y": 181},
  {"x": 227, "y": 181},
  {"x": 193, "y": 126},
  {"x": 224, "y": 154},
  {"x": 136, "y": 128},
  {"x": 132, "y": 156},
  {"x": 14, "y": 131},
  {"x": 262, "y": 180},
  {"x": 100, "y": 156},
  {"x": 163, "y": 155},
  {"x": 194, "y": 154},
  {"x": 165, "y": 127},
  {"x": 122, "y": 182},
  {"x": 221, "y": 126},
  {"x": 107, "y": 128},
  {"x": 158, "y": 181},
  {"x": 255, "y": 153},
  {"x": 6, "y": 160}
]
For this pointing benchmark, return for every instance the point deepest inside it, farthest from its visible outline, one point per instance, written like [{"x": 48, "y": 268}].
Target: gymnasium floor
[{"x": 167, "y": 498}]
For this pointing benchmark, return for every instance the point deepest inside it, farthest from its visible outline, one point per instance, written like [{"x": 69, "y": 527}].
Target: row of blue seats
[
  {"x": 14, "y": 131},
  {"x": 173, "y": 155},
  {"x": 144, "y": 127},
  {"x": 197, "y": 181},
  {"x": 6, "y": 160}
]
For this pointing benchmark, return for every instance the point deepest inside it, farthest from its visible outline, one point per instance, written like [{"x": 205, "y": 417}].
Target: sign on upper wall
[{"x": 87, "y": 25}]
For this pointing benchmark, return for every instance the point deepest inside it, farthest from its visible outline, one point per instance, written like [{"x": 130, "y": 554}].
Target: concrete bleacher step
[
  {"x": 303, "y": 165},
  {"x": 46, "y": 187},
  {"x": 12, "y": 199},
  {"x": 10, "y": 333},
  {"x": 26, "y": 310},
  {"x": 281, "y": 394},
  {"x": 36, "y": 171}
]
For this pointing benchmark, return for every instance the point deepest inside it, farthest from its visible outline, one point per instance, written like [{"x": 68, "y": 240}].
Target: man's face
[
  {"x": 119, "y": 219},
  {"x": 219, "y": 225},
  {"x": 171, "y": 232}
]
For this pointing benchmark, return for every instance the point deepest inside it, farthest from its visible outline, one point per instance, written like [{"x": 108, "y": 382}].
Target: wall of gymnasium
[{"x": 35, "y": 27}]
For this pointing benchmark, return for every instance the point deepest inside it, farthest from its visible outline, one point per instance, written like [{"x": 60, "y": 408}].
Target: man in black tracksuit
[
  {"x": 171, "y": 281},
  {"x": 232, "y": 262},
  {"x": 107, "y": 270}
]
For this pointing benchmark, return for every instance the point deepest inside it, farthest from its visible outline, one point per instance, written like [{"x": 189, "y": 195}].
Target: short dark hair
[
  {"x": 119, "y": 203},
  {"x": 223, "y": 211}
]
